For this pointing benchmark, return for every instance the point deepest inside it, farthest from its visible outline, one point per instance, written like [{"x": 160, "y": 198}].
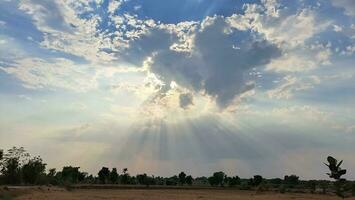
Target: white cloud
[
  {"x": 293, "y": 85},
  {"x": 114, "y": 5},
  {"x": 301, "y": 59},
  {"x": 337, "y": 28},
  {"x": 58, "y": 73}
]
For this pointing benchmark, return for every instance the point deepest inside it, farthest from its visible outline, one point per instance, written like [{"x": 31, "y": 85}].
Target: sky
[{"x": 247, "y": 87}]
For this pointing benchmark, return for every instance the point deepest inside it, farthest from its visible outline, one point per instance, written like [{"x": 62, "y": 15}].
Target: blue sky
[{"x": 248, "y": 87}]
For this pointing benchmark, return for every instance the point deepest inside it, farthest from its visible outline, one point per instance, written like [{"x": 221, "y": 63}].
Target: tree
[
  {"x": 336, "y": 173},
  {"x": 142, "y": 179},
  {"x": 233, "y": 181},
  {"x": 114, "y": 176},
  {"x": 182, "y": 178},
  {"x": 257, "y": 180},
  {"x": 125, "y": 176},
  {"x": 51, "y": 176},
  {"x": 172, "y": 180},
  {"x": 11, "y": 164},
  {"x": 33, "y": 170},
  {"x": 218, "y": 178},
  {"x": 69, "y": 174},
  {"x": 104, "y": 175},
  {"x": 189, "y": 180},
  {"x": 291, "y": 180}
]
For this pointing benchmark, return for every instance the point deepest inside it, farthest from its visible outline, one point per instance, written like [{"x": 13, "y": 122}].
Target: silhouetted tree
[
  {"x": 189, "y": 180},
  {"x": 336, "y": 172},
  {"x": 69, "y": 174},
  {"x": 257, "y": 180},
  {"x": 172, "y": 180},
  {"x": 104, "y": 175},
  {"x": 51, "y": 176},
  {"x": 125, "y": 178},
  {"x": 233, "y": 181},
  {"x": 114, "y": 176},
  {"x": 33, "y": 170},
  {"x": 218, "y": 178},
  {"x": 291, "y": 180},
  {"x": 182, "y": 178},
  {"x": 142, "y": 179},
  {"x": 11, "y": 164}
]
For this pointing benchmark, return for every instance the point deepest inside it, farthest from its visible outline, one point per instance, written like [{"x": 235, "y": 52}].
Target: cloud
[
  {"x": 210, "y": 64},
  {"x": 347, "y": 5},
  {"x": 37, "y": 73},
  {"x": 292, "y": 85},
  {"x": 185, "y": 100}
]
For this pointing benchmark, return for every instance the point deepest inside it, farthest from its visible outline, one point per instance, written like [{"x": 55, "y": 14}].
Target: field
[{"x": 43, "y": 193}]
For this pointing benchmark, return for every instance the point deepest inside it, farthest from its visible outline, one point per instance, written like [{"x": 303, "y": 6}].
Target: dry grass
[{"x": 160, "y": 194}]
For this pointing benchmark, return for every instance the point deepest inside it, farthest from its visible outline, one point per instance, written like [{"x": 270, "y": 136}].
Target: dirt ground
[{"x": 160, "y": 194}]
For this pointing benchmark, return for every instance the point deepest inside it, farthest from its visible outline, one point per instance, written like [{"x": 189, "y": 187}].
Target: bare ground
[{"x": 44, "y": 193}]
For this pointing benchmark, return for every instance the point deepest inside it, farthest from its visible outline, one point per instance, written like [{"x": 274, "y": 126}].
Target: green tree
[
  {"x": 218, "y": 178},
  {"x": 104, "y": 175},
  {"x": 189, "y": 180},
  {"x": 114, "y": 176},
  {"x": 182, "y": 178},
  {"x": 33, "y": 170}
]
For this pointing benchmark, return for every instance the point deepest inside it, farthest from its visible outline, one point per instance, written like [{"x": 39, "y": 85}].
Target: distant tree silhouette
[
  {"x": 69, "y": 174},
  {"x": 257, "y": 180},
  {"x": 33, "y": 170},
  {"x": 291, "y": 180},
  {"x": 189, "y": 180},
  {"x": 172, "y": 180},
  {"x": 125, "y": 178},
  {"x": 233, "y": 181},
  {"x": 114, "y": 176},
  {"x": 218, "y": 178},
  {"x": 142, "y": 179},
  {"x": 104, "y": 175},
  {"x": 182, "y": 178}
]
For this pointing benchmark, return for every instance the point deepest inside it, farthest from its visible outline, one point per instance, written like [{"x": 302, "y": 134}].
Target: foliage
[
  {"x": 257, "y": 180},
  {"x": 291, "y": 180},
  {"x": 125, "y": 177},
  {"x": 114, "y": 176},
  {"x": 336, "y": 173},
  {"x": 69, "y": 174},
  {"x": 33, "y": 170},
  {"x": 182, "y": 178},
  {"x": 218, "y": 178},
  {"x": 233, "y": 181},
  {"x": 12, "y": 163},
  {"x": 189, "y": 180},
  {"x": 104, "y": 175}
]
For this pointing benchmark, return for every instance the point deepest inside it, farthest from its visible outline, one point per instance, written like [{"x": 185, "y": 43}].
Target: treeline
[{"x": 17, "y": 167}]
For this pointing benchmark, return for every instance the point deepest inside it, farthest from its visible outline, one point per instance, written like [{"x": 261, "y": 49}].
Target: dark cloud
[
  {"x": 186, "y": 100},
  {"x": 217, "y": 64}
]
